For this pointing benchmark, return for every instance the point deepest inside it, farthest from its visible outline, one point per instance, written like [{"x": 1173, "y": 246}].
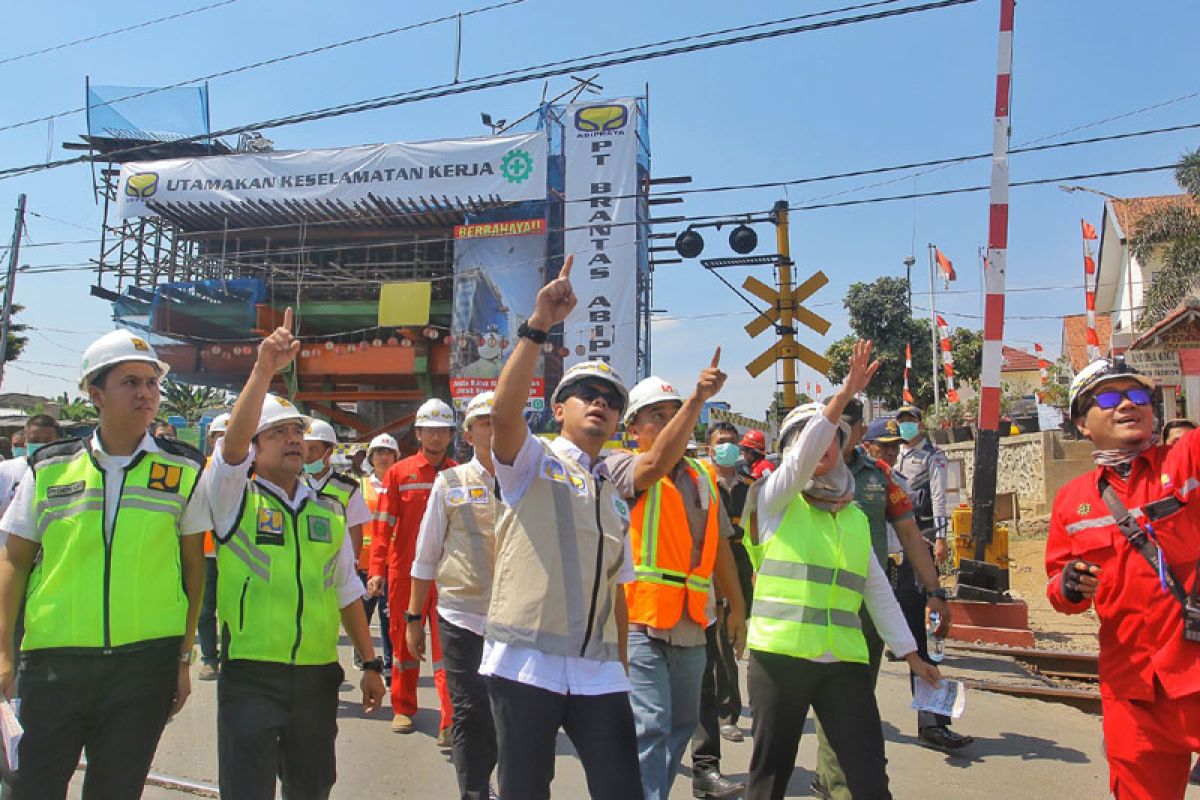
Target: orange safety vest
[
  {"x": 209, "y": 544},
  {"x": 661, "y": 540},
  {"x": 372, "y": 496}
]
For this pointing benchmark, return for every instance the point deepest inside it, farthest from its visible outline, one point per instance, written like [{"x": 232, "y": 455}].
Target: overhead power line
[
  {"x": 524, "y": 75},
  {"x": 106, "y": 34},
  {"x": 267, "y": 62}
]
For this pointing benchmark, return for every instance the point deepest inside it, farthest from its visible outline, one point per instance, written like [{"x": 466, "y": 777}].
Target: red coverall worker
[
  {"x": 393, "y": 547},
  {"x": 1149, "y": 675}
]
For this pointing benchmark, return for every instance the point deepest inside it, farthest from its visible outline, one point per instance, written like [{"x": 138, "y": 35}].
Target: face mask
[
  {"x": 909, "y": 430},
  {"x": 314, "y": 467},
  {"x": 726, "y": 455},
  {"x": 32, "y": 448},
  {"x": 18, "y": 452}
]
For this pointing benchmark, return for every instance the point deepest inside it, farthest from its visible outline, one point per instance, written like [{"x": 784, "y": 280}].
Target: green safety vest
[
  {"x": 88, "y": 593},
  {"x": 276, "y": 597},
  {"x": 808, "y": 589},
  {"x": 340, "y": 488}
]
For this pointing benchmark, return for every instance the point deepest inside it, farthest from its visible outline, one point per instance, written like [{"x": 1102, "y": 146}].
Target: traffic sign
[{"x": 770, "y": 317}]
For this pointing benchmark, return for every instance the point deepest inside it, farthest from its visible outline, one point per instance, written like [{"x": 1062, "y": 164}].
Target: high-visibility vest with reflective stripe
[
  {"x": 372, "y": 495},
  {"x": 464, "y": 577},
  {"x": 809, "y": 585},
  {"x": 661, "y": 540},
  {"x": 87, "y": 591},
  {"x": 277, "y": 596}
]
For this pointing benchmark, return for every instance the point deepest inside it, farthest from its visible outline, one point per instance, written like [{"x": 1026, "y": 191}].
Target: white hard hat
[
  {"x": 799, "y": 416},
  {"x": 320, "y": 431},
  {"x": 383, "y": 441},
  {"x": 590, "y": 370},
  {"x": 433, "y": 413},
  {"x": 114, "y": 348},
  {"x": 276, "y": 411},
  {"x": 1098, "y": 372},
  {"x": 219, "y": 424},
  {"x": 648, "y": 392},
  {"x": 480, "y": 406}
]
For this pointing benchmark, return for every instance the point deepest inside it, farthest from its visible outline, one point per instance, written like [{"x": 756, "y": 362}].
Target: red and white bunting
[
  {"x": 1089, "y": 290},
  {"x": 908, "y": 395},
  {"x": 947, "y": 358},
  {"x": 1043, "y": 364}
]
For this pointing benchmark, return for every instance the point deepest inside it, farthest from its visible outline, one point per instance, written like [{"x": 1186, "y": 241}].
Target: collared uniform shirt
[
  {"x": 555, "y": 673},
  {"x": 227, "y": 484},
  {"x": 914, "y": 464},
  {"x": 431, "y": 542},
  {"x": 20, "y": 519},
  {"x": 876, "y": 493},
  {"x": 778, "y": 491},
  {"x": 357, "y": 512},
  {"x": 408, "y": 483}
]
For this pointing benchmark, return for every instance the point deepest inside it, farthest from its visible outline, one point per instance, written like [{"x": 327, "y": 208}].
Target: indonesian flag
[
  {"x": 947, "y": 358},
  {"x": 908, "y": 396},
  {"x": 1089, "y": 232},
  {"x": 945, "y": 265},
  {"x": 1043, "y": 364}
]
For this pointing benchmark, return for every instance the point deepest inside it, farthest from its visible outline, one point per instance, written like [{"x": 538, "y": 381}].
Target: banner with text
[
  {"x": 600, "y": 148},
  {"x": 503, "y": 168}
]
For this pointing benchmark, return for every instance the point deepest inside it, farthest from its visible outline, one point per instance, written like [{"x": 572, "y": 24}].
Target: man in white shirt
[
  {"x": 456, "y": 546},
  {"x": 288, "y": 579},
  {"x": 103, "y": 551},
  {"x": 40, "y": 430},
  {"x": 555, "y": 649},
  {"x": 319, "y": 441}
]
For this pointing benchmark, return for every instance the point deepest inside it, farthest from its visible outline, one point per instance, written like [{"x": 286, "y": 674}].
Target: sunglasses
[
  {"x": 588, "y": 392},
  {"x": 1112, "y": 398}
]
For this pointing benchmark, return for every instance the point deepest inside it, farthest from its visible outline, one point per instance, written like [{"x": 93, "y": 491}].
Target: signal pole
[
  {"x": 787, "y": 342},
  {"x": 14, "y": 252}
]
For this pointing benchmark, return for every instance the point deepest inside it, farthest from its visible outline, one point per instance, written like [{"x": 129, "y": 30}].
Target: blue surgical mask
[
  {"x": 726, "y": 455},
  {"x": 315, "y": 467},
  {"x": 32, "y": 448},
  {"x": 909, "y": 431},
  {"x": 18, "y": 452}
]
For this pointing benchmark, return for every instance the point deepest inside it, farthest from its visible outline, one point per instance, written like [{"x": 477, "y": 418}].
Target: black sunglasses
[
  {"x": 1112, "y": 398},
  {"x": 587, "y": 392}
]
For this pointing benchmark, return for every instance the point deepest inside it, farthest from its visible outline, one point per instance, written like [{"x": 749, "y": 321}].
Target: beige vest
[
  {"x": 464, "y": 578},
  {"x": 558, "y": 553}
]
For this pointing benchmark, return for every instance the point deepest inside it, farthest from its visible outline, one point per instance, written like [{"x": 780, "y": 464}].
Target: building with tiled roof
[
  {"x": 1074, "y": 338},
  {"x": 1019, "y": 370}
]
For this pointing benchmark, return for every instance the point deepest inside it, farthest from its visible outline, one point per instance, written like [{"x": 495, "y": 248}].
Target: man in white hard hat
[
  {"x": 1123, "y": 541},
  {"x": 288, "y": 583},
  {"x": 206, "y": 628},
  {"x": 393, "y": 548},
  {"x": 319, "y": 441},
  {"x": 554, "y": 649},
  {"x": 103, "y": 549},
  {"x": 679, "y": 535},
  {"x": 456, "y": 546},
  {"x": 381, "y": 454}
]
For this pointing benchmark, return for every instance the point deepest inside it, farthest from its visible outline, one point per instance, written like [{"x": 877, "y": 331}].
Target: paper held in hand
[
  {"x": 11, "y": 731},
  {"x": 948, "y": 698}
]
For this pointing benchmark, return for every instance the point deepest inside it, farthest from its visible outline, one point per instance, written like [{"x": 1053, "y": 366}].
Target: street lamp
[{"x": 908, "y": 265}]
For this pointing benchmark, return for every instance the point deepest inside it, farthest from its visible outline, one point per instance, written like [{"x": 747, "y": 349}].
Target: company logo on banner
[
  {"x": 601, "y": 148},
  {"x": 508, "y": 168}
]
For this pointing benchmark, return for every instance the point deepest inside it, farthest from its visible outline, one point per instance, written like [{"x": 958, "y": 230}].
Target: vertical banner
[{"x": 600, "y": 146}]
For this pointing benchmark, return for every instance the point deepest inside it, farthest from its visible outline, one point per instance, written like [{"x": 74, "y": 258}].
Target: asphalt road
[{"x": 1024, "y": 748}]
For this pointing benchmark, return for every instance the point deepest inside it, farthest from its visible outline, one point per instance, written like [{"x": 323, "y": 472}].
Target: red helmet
[{"x": 754, "y": 440}]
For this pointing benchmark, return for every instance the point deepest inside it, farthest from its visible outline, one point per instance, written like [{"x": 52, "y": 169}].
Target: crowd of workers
[{"x": 552, "y": 583}]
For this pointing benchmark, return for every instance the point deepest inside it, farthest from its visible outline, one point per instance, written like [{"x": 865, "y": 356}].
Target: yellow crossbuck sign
[{"x": 787, "y": 346}]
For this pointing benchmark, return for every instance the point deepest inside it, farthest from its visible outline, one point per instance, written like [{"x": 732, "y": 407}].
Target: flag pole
[{"x": 933, "y": 334}]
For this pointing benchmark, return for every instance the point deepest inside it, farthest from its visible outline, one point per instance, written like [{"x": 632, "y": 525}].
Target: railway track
[{"x": 1060, "y": 676}]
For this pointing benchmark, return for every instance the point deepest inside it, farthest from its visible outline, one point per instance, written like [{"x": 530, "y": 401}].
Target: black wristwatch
[
  {"x": 939, "y": 593},
  {"x": 374, "y": 665},
  {"x": 411, "y": 617},
  {"x": 532, "y": 334}
]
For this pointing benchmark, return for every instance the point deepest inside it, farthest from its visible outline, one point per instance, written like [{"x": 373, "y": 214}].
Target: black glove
[{"x": 1070, "y": 579}]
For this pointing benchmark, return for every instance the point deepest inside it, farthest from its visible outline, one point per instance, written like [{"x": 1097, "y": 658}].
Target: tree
[
  {"x": 1173, "y": 231},
  {"x": 16, "y": 342},
  {"x": 190, "y": 401},
  {"x": 778, "y": 409},
  {"x": 879, "y": 312},
  {"x": 74, "y": 409}
]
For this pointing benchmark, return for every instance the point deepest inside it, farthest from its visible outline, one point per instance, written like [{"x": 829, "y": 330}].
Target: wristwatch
[
  {"x": 939, "y": 593},
  {"x": 532, "y": 334},
  {"x": 188, "y": 658},
  {"x": 374, "y": 665},
  {"x": 411, "y": 617}
]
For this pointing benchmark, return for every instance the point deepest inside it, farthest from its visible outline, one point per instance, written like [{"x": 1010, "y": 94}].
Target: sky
[{"x": 878, "y": 93}]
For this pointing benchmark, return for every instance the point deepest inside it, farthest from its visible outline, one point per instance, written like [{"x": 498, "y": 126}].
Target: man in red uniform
[
  {"x": 393, "y": 547},
  {"x": 754, "y": 454},
  {"x": 1149, "y": 672}
]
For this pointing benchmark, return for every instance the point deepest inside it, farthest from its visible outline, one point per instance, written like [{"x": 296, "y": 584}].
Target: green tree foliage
[
  {"x": 879, "y": 312},
  {"x": 778, "y": 409},
  {"x": 16, "y": 342},
  {"x": 74, "y": 409},
  {"x": 1174, "y": 233},
  {"x": 190, "y": 401}
]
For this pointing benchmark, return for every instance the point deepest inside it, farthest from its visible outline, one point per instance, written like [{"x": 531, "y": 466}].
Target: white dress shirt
[{"x": 555, "y": 673}]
